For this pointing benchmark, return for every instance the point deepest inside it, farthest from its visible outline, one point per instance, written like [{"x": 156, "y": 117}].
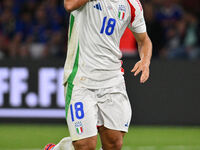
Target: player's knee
[
  {"x": 85, "y": 145},
  {"x": 115, "y": 143}
]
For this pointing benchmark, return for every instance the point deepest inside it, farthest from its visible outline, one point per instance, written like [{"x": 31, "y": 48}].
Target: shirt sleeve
[{"x": 137, "y": 24}]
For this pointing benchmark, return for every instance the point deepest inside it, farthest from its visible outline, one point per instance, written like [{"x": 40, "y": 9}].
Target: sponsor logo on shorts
[{"x": 79, "y": 127}]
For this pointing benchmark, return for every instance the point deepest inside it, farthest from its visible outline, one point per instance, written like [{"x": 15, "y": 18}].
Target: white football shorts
[{"x": 86, "y": 109}]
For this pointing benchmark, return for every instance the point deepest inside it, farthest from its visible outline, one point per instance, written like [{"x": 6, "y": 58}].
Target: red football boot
[{"x": 49, "y": 146}]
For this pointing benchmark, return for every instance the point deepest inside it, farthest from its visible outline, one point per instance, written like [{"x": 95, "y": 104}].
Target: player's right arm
[
  {"x": 145, "y": 52},
  {"x": 71, "y": 5},
  {"x": 138, "y": 28}
]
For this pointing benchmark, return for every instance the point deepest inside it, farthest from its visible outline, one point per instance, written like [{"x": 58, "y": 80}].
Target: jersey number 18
[{"x": 110, "y": 26}]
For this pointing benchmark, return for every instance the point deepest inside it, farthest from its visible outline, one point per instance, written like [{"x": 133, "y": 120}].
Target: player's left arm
[{"x": 145, "y": 52}]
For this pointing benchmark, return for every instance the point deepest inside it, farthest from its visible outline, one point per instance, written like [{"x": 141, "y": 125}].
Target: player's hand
[{"x": 142, "y": 66}]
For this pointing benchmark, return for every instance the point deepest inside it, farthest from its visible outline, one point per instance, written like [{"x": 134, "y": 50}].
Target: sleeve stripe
[{"x": 132, "y": 11}]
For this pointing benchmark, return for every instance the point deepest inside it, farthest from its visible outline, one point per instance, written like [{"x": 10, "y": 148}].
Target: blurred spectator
[
  {"x": 154, "y": 28},
  {"x": 174, "y": 45},
  {"x": 169, "y": 13},
  {"x": 192, "y": 37},
  {"x": 3, "y": 46},
  {"x": 183, "y": 39},
  {"x": 7, "y": 23},
  {"x": 23, "y": 51},
  {"x": 24, "y": 25},
  {"x": 167, "y": 16},
  {"x": 14, "y": 45},
  {"x": 54, "y": 46}
]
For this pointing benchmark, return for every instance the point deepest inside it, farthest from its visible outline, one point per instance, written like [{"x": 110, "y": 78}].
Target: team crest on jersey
[
  {"x": 121, "y": 12},
  {"x": 79, "y": 127}
]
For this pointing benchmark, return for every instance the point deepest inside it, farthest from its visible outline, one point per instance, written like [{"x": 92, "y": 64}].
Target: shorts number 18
[{"x": 79, "y": 113}]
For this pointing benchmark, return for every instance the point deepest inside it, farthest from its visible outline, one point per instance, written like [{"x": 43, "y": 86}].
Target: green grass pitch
[{"x": 34, "y": 137}]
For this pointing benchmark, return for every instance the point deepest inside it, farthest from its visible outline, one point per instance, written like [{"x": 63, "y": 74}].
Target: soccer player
[{"x": 96, "y": 98}]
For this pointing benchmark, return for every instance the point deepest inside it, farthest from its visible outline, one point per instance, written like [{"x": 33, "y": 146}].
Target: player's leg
[
  {"x": 81, "y": 112},
  {"x": 114, "y": 116},
  {"x": 111, "y": 139},
  {"x": 86, "y": 144},
  {"x": 66, "y": 144}
]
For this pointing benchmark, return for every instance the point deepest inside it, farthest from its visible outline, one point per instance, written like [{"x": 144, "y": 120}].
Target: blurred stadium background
[{"x": 33, "y": 41}]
